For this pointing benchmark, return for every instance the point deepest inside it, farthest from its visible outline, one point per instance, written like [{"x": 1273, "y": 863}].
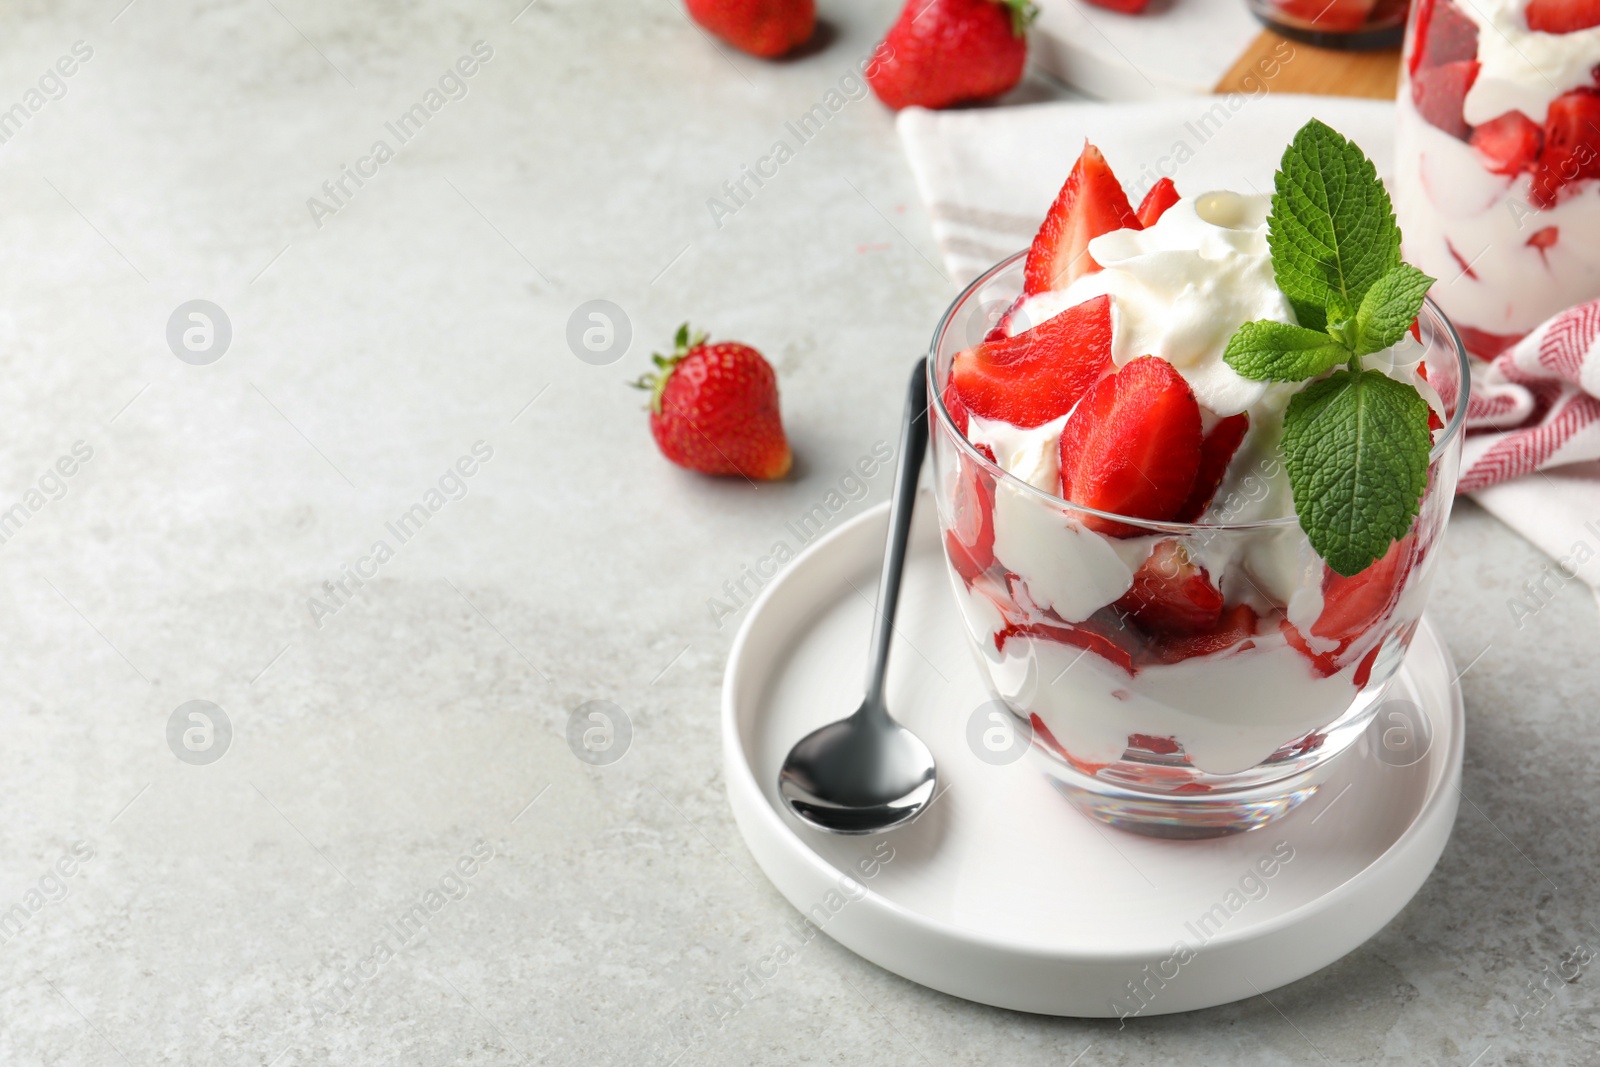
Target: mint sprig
[{"x": 1355, "y": 442}]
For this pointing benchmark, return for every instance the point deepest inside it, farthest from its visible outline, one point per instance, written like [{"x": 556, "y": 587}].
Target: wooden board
[{"x": 1319, "y": 71}]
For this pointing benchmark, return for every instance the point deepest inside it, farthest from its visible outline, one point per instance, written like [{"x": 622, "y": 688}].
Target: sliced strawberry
[
  {"x": 1461, "y": 261},
  {"x": 1161, "y": 746},
  {"x": 1434, "y": 421},
  {"x": 1234, "y": 628},
  {"x": 1309, "y": 743},
  {"x": 1216, "y": 452},
  {"x": 953, "y": 404},
  {"x": 1324, "y": 663},
  {"x": 1090, "y": 203},
  {"x": 1509, "y": 144},
  {"x": 1172, "y": 594},
  {"x": 1162, "y": 195},
  {"x": 1042, "y": 733},
  {"x": 1039, "y": 374},
  {"x": 1132, "y": 446},
  {"x": 1127, "y": 7},
  {"x": 1351, "y": 606},
  {"x": 962, "y": 559},
  {"x": 1363, "y": 673},
  {"x": 1571, "y": 145},
  {"x": 1439, "y": 93},
  {"x": 970, "y": 540},
  {"x": 1562, "y": 16},
  {"x": 1329, "y": 16},
  {"x": 1001, "y": 327},
  {"x": 1443, "y": 35},
  {"x": 1417, "y": 34},
  {"x": 1086, "y": 635},
  {"x": 1321, "y": 662}
]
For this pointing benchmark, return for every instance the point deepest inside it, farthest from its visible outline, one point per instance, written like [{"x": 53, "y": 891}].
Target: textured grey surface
[{"x": 223, "y": 904}]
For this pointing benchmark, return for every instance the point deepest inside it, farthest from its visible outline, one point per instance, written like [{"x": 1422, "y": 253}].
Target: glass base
[
  {"x": 1159, "y": 794},
  {"x": 1191, "y": 817},
  {"x": 1363, "y": 40}
]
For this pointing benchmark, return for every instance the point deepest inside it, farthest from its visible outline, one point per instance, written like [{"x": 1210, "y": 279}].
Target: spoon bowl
[{"x": 858, "y": 776}]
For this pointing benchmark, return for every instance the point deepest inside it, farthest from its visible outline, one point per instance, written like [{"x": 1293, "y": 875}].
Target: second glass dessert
[{"x": 1497, "y": 182}]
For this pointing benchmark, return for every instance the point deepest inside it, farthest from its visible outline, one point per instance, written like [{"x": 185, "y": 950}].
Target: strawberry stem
[
  {"x": 1023, "y": 12},
  {"x": 683, "y": 343}
]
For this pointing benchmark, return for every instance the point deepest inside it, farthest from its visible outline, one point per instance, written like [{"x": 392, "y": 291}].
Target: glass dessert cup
[
  {"x": 1152, "y": 721},
  {"x": 1496, "y": 166},
  {"x": 1343, "y": 24}
]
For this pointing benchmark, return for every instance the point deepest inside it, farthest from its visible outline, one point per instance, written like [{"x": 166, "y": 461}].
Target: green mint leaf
[
  {"x": 1266, "y": 351},
  {"x": 1390, "y": 307},
  {"x": 1356, "y": 446},
  {"x": 1332, "y": 230}
]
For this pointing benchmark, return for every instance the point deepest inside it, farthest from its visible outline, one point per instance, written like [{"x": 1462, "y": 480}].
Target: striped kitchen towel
[{"x": 1537, "y": 405}]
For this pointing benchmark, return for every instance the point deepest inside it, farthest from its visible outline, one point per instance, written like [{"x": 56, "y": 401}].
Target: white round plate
[{"x": 1003, "y": 892}]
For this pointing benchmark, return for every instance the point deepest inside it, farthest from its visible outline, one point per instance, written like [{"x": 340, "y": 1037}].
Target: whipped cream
[
  {"x": 1179, "y": 291},
  {"x": 1522, "y": 69}
]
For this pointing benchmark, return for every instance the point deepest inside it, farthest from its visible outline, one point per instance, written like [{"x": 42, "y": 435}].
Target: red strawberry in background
[
  {"x": 1036, "y": 376},
  {"x": 944, "y": 52},
  {"x": 1132, "y": 446},
  {"x": 765, "y": 28},
  {"x": 1562, "y": 16},
  {"x": 714, "y": 409},
  {"x": 1127, "y": 7},
  {"x": 1090, "y": 203}
]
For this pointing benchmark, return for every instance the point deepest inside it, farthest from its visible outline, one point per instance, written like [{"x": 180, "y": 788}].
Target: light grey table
[{"x": 158, "y": 910}]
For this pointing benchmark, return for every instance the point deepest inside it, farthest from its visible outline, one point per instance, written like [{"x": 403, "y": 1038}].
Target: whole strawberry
[
  {"x": 764, "y": 28},
  {"x": 714, "y": 408},
  {"x": 944, "y": 52}
]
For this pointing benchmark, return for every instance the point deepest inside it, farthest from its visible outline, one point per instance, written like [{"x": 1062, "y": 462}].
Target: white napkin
[{"x": 987, "y": 177}]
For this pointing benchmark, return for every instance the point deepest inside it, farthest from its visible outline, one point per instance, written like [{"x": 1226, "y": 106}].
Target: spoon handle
[{"x": 913, "y": 445}]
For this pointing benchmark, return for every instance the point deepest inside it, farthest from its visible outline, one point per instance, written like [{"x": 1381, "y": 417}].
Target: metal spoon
[{"x": 868, "y": 773}]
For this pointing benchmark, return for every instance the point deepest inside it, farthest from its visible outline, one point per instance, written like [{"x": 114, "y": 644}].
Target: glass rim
[{"x": 1452, "y": 428}]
